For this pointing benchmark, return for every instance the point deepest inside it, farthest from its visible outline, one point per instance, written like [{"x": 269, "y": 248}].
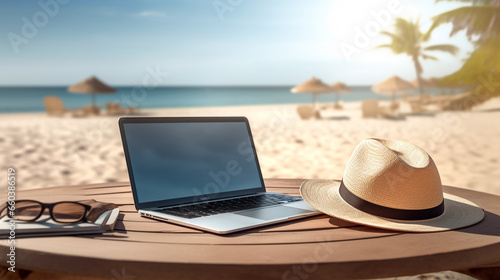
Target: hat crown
[{"x": 393, "y": 174}]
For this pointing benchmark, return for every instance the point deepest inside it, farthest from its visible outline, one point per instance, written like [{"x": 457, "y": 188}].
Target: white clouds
[
  {"x": 155, "y": 14},
  {"x": 142, "y": 14}
]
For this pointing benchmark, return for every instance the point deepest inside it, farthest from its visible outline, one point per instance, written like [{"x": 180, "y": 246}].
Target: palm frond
[
  {"x": 425, "y": 56},
  {"x": 443, "y": 48},
  {"x": 407, "y": 36},
  {"x": 384, "y": 46},
  {"x": 483, "y": 61},
  {"x": 476, "y": 20},
  {"x": 475, "y": 2},
  {"x": 397, "y": 43},
  {"x": 392, "y": 35}
]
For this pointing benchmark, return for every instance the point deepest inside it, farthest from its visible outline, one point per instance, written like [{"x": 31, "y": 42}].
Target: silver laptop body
[{"x": 202, "y": 172}]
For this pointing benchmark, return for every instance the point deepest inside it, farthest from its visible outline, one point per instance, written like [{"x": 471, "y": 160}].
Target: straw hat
[{"x": 391, "y": 185}]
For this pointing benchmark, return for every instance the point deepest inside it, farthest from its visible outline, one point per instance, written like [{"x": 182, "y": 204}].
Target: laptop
[{"x": 202, "y": 172}]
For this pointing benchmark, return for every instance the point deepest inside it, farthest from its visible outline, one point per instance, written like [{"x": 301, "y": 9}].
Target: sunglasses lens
[
  {"x": 3, "y": 210},
  {"x": 27, "y": 210},
  {"x": 67, "y": 212}
]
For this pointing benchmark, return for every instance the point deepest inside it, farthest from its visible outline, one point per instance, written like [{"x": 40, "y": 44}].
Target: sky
[{"x": 213, "y": 42}]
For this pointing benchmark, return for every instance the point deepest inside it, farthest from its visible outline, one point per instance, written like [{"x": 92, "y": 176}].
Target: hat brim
[{"x": 323, "y": 195}]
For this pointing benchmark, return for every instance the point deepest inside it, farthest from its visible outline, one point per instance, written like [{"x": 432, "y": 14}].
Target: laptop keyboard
[{"x": 228, "y": 205}]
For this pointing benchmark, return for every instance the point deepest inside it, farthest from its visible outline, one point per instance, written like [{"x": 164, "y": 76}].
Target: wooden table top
[{"x": 321, "y": 247}]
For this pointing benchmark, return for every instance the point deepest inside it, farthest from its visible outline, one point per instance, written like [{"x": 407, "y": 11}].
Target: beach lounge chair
[
  {"x": 91, "y": 110},
  {"x": 116, "y": 109},
  {"x": 334, "y": 106},
  {"x": 439, "y": 102},
  {"x": 394, "y": 106},
  {"x": 388, "y": 112},
  {"x": 307, "y": 112},
  {"x": 417, "y": 107},
  {"x": 442, "y": 101},
  {"x": 370, "y": 108},
  {"x": 54, "y": 106}
]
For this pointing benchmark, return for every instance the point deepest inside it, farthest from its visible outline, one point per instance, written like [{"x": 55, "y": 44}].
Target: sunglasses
[{"x": 63, "y": 212}]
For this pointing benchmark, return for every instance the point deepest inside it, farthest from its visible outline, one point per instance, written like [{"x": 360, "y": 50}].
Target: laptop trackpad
[{"x": 273, "y": 213}]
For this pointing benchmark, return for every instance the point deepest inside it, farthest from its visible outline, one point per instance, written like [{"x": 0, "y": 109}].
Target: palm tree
[
  {"x": 481, "y": 22},
  {"x": 408, "y": 39}
]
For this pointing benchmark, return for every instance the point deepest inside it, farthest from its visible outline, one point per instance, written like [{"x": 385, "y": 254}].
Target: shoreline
[
  {"x": 195, "y": 107},
  {"x": 349, "y": 104},
  {"x": 157, "y": 98}
]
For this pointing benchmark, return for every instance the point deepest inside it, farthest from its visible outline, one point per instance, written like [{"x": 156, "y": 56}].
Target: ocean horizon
[{"x": 17, "y": 99}]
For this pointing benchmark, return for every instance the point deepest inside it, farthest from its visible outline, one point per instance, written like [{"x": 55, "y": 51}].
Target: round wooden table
[{"x": 320, "y": 247}]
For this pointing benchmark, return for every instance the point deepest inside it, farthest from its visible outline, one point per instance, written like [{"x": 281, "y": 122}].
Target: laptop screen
[{"x": 191, "y": 161}]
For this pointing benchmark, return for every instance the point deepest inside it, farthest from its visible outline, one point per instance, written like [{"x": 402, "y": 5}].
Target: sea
[{"x": 30, "y": 99}]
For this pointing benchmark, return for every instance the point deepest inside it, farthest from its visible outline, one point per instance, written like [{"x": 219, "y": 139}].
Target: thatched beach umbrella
[
  {"x": 312, "y": 86},
  {"x": 339, "y": 88},
  {"x": 92, "y": 86},
  {"x": 393, "y": 86}
]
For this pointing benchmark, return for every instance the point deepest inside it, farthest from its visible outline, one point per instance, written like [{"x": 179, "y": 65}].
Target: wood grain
[{"x": 320, "y": 247}]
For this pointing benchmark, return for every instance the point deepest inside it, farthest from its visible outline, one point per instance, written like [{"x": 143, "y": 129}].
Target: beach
[{"x": 54, "y": 151}]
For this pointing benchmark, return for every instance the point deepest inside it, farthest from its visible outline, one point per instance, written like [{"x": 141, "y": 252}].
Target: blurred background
[{"x": 314, "y": 79}]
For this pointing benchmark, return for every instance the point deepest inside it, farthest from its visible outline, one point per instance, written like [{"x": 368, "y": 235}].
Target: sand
[{"x": 52, "y": 151}]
